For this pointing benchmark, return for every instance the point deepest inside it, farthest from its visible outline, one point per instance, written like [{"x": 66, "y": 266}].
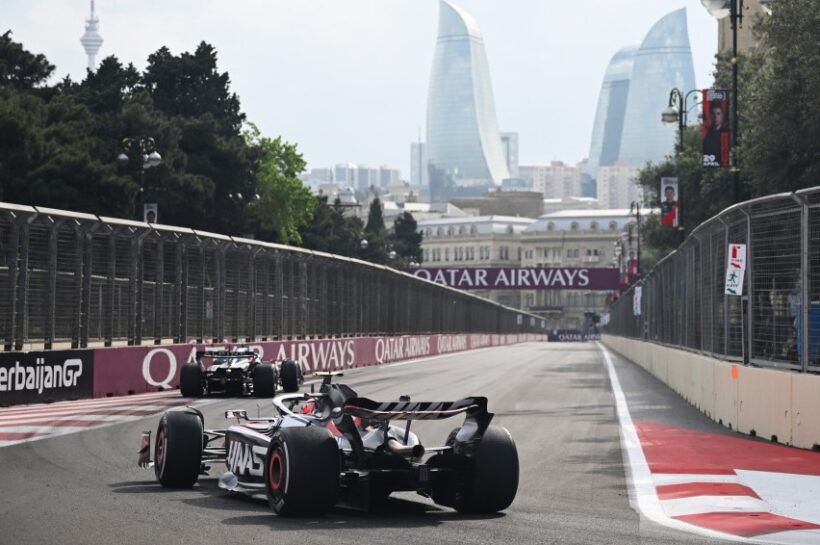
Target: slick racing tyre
[
  {"x": 190, "y": 380},
  {"x": 490, "y": 481},
  {"x": 178, "y": 449},
  {"x": 290, "y": 376},
  {"x": 264, "y": 380},
  {"x": 302, "y": 471}
]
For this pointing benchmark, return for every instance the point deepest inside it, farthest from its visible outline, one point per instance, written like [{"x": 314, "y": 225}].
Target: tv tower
[{"x": 91, "y": 40}]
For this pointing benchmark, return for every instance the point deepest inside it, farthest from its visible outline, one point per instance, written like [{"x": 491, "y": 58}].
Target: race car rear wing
[
  {"x": 414, "y": 410},
  {"x": 476, "y": 420}
]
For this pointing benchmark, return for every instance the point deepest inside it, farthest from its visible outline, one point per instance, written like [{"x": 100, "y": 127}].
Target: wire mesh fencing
[
  {"x": 78, "y": 280},
  {"x": 775, "y": 322}
]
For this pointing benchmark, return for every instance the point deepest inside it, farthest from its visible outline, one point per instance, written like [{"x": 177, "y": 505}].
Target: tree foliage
[
  {"x": 59, "y": 144},
  {"x": 283, "y": 204},
  {"x": 406, "y": 239},
  {"x": 331, "y": 230},
  {"x": 779, "y": 127}
]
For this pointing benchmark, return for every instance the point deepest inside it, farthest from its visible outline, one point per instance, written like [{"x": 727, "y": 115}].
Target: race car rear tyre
[
  {"x": 190, "y": 380},
  {"x": 178, "y": 449},
  {"x": 264, "y": 380},
  {"x": 302, "y": 471},
  {"x": 490, "y": 481},
  {"x": 290, "y": 376}
]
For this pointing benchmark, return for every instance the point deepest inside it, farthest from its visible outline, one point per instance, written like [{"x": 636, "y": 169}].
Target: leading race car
[
  {"x": 334, "y": 447},
  {"x": 240, "y": 371}
]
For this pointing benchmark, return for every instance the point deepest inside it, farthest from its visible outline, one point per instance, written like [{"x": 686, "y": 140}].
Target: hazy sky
[{"x": 347, "y": 79}]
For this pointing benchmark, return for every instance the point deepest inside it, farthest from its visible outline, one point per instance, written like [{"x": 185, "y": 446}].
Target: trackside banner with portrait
[
  {"x": 128, "y": 370},
  {"x": 520, "y": 278},
  {"x": 670, "y": 202},
  {"x": 715, "y": 132}
]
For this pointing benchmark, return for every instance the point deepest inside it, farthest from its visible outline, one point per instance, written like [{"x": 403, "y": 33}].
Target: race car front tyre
[
  {"x": 190, "y": 380},
  {"x": 290, "y": 376},
  {"x": 178, "y": 449},
  {"x": 490, "y": 481},
  {"x": 264, "y": 380},
  {"x": 302, "y": 471}
]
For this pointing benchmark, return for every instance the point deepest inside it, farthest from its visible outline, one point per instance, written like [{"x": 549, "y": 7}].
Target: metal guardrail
[
  {"x": 775, "y": 323},
  {"x": 70, "y": 279}
]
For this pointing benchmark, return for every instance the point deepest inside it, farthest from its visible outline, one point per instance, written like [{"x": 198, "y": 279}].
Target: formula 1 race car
[
  {"x": 334, "y": 447},
  {"x": 240, "y": 371}
]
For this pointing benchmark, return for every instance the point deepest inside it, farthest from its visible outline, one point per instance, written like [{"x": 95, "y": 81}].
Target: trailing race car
[
  {"x": 240, "y": 371},
  {"x": 335, "y": 447}
]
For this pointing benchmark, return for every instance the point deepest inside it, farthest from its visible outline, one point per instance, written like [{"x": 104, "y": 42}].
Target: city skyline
[{"x": 382, "y": 52}]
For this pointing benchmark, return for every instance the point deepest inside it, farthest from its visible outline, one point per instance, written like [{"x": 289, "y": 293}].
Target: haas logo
[{"x": 244, "y": 459}]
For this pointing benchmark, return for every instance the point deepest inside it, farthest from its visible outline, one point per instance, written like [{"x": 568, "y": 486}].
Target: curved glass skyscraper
[
  {"x": 463, "y": 141},
  {"x": 663, "y": 61},
  {"x": 609, "y": 117}
]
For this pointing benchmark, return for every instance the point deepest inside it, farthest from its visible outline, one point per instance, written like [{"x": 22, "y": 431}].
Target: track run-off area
[{"x": 608, "y": 455}]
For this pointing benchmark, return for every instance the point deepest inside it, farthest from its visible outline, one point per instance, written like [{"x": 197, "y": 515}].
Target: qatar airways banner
[
  {"x": 521, "y": 278},
  {"x": 129, "y": 370}
]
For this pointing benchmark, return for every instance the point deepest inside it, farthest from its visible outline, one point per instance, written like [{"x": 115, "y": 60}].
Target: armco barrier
[
  {"x": 129, "y": 370},
  {"x": 777, "y": 405}
]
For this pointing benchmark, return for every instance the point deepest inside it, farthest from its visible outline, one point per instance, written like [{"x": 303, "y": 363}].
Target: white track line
[
  {"x": 642, "y": 494},
  {"x": 661, "y": 479}
]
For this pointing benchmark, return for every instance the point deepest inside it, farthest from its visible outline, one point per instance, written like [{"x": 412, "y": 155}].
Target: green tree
[
  {"x": 19, "y": 68},
  {"x": 780, "y": 140},
  {"x": 284, "y": 204},
  {"x": 376, "y": 234},
  {"x": 375, "y": 218},
  {"x": 406, "y": 239}
]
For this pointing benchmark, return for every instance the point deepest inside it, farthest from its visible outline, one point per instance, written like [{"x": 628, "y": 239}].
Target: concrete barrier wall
[
  {"x": 38, "y": 377},
  {"x": 781, "y": 406}
]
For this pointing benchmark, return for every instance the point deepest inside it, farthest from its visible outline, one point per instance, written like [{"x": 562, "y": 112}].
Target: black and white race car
[
  {"x": 334, "y": 447},
  {"x": 240, "y": 372}
]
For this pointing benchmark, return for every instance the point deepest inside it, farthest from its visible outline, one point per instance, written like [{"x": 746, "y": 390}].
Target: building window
[
  {"x": 426, "y": 255},
  {"x": 461, "y": 231},
  {"x": 613, "y": 225},
  {"x": 450, "y": 231},
  {"x": 574, "y": 226},
  {"x": 594, "y": 226},
  {"x": 428, "y": 232},
  {"x": 504, "y": 253},
  {"x": 550, "y": 226},
  {"x": 473, "y": 230},
  {"x": 446, "y": 254},
  {"x": 510, "y": 229},
  {"x": 440, "y": 232}
]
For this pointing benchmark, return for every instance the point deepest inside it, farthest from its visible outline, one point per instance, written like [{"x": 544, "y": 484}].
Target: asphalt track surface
[{"x": 556, "y": 400}]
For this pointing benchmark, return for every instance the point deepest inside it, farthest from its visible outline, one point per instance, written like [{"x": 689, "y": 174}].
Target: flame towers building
[
  {"x": 611, "y": 112},
  {"x": 635, "y": 90},
  {"x": 464, "y": 149},
  {"x": 663, "y": 61}
]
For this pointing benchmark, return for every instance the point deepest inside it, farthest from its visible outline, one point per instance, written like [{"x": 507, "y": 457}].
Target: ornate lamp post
[
  {"x": 720, "y": 9},
  {"x": 676, "y": 113},
  {"x": 145, "y": 152}
]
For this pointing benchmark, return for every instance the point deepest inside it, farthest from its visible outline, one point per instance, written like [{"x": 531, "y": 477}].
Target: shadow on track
[{"x": 396, "y": 512}]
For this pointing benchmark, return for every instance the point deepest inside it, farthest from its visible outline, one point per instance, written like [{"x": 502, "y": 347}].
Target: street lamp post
[
  {"x": 144, "y": 149},
  {"x": 676, "y": 113},
  {"x": 635, "y": 208},
  {"x": 734, "y": 10}
]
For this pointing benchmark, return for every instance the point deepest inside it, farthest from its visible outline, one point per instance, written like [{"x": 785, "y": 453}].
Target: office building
[{"x": 618, "y": 185}]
